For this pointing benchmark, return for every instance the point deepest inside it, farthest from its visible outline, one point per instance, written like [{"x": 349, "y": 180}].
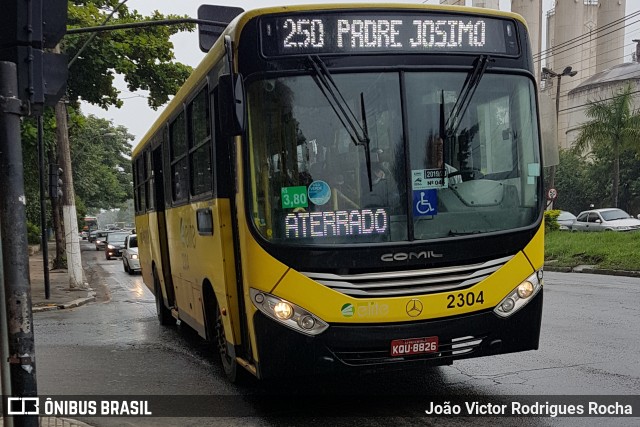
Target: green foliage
[
  {"x": 33, "y": 234},
  {"x": 610, "y": 250},
  {"x": 613, "y": 131},
  {"x": 583, "y": 182},
  {"x": 144, "y": 56},
  {"x": 551, "y": 220},
  {"x": 100, "y": 154}
]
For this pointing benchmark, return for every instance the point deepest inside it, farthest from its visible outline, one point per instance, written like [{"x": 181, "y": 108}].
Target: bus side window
[
  {"x": 200, "y": 143},
  {"x": 178, "y": 158}
]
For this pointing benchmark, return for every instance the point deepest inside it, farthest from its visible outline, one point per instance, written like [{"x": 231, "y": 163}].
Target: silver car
[
  {"x": 130, "y": 261},
  {"x": 610, "y": 219},
  {"x": 566, "y": 220}
]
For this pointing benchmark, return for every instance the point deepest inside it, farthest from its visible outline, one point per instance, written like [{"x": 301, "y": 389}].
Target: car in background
[
  {"x": 609, "y": 219},
  {"x": 99, "y": 239},
  {"x": 130, "y": 261},
  {"x": 565, "y": 220},
  {"x": 115, "y": 244}
]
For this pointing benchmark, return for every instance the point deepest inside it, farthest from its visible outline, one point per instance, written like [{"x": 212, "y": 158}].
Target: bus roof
[{"x": 235, "y": 27}]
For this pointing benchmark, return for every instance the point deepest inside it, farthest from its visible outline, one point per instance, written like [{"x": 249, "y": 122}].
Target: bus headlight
[
  {"x": 520, "y": 296},
  {"x": 287, "y": 313},
  {"x": 283, "y": 310}
]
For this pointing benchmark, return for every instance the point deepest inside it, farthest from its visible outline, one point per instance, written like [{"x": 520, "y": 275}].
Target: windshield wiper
[
  {"x": 466, "y": 94},
  {"x": 449, "y": 127},
  {"x": 358, "y": 133}
]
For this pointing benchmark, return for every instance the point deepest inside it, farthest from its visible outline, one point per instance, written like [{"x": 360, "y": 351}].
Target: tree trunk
[
  {"x": 58, "y": 227},
  {"x": 616, "y": 174},
  {"x": 69, "y": 215}
]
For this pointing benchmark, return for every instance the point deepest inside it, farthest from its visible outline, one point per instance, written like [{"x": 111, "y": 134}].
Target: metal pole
[
  {"x": 43, "y": 212},
  {"x": 15, "y": 254},
  {"x": 552, "y": 169},
  {"x": 5, "y": 375}
]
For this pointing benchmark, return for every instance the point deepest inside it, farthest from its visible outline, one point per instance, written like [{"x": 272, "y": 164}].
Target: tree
[
  {"x": 614, "y": 127},
  {"x": 101, "y": 158},
  {"x": 143, "y": 56}
]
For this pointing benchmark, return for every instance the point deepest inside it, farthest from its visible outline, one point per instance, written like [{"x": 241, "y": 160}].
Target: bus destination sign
[{"x": 351, "y": 33}]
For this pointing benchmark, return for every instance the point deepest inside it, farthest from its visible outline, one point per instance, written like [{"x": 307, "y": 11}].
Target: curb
[
  {"x": 91, "y": 297},
  {"x": 593, "y": 271}
]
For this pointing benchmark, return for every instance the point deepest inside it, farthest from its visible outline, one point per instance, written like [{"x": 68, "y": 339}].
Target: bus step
[
  {"x": 174, "y": 313},
  {"x": 247, "y": 365}
]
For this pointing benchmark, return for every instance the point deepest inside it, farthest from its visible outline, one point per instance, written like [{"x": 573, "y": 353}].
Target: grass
[{"x": 608, "y": 249}]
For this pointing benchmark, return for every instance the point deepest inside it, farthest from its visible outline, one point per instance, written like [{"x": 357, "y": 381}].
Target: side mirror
[
  {"x": 231, "y": 104},
  {"x": 598, "y": 221}
]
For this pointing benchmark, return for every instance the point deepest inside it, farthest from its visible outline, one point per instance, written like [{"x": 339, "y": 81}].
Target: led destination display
[{"x": 375, "y": 32}]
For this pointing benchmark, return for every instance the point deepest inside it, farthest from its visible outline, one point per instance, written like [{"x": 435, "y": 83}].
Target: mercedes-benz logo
[{"x": 414, "y": 308}]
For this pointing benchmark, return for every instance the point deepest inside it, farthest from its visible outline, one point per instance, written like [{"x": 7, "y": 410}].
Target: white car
[
  {"x": 130, "y": 261},
  {"x": 610, "y": 219}
]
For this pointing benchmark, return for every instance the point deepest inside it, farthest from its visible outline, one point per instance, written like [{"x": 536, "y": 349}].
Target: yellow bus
[{"x": 350, "y": 186}]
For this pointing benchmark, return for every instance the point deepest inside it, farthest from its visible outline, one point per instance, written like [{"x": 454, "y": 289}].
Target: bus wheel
[
  {"x": 164, "y": 314},
  {"x": 228, "y": 363}
]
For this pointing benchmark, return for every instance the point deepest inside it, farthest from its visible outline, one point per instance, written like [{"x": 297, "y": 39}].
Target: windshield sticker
[
  {"x": 425, "y": 179},
  {"x": 340, "y": 223},
  {"x": 319, "y": 192},
  {"x": 294, "y": 197},
  {"x": 534, "y": 169},
  {"x": 425, "y": 202}
]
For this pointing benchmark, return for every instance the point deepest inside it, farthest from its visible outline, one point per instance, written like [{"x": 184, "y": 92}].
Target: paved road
[{"x": 590, "y": 345}]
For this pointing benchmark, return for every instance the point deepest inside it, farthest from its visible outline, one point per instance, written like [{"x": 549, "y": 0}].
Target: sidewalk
[
  {"x": 61, "y": 296},
  {"x": 56, "y": 422}
]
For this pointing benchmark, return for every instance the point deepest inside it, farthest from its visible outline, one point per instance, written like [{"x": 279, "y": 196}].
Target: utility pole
[
  {"x": 69, "y": 214},
  {"x": 30, "y": 79},
  {"x": 568, "y": 71},
  {"x": 15, "y": 253}
]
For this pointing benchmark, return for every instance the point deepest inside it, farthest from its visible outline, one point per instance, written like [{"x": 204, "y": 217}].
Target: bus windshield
[{"x": 428, "y": 178}]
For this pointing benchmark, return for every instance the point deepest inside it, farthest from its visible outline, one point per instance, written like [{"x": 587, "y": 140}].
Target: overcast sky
[{"x": 138, "y": 117}]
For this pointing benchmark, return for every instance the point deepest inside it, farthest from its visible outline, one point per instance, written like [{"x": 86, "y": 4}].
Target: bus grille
[
  {"x": 455, "y": 348},
  {"x": 409, "y": 282}
]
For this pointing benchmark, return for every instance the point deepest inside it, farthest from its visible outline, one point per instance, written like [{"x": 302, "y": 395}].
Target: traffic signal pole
[{"x": 15, "y": 252}]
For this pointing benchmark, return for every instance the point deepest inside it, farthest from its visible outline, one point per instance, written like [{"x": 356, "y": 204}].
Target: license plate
[{"x": 414, "y": 346}]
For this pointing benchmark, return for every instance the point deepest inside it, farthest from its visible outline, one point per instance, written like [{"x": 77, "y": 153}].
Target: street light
[{"x": 568, "y": 71}]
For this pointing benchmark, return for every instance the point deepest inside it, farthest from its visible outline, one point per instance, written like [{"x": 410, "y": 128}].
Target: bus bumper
[{"x": 284, "y": 352}]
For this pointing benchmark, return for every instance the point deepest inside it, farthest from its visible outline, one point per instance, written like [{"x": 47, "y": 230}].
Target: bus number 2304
[{"x": 465, "y": 299}]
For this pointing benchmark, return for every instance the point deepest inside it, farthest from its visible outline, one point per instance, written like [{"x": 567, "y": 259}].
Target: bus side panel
[
  {"x": 224, "y": 274},
  {"x": 200, "y": 258},
  {"x": 144, "y": 248}
]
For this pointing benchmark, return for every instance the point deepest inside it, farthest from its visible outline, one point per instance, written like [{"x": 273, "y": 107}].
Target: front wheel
[
  {"x": 164, "y": 314},
  {"x": 228, "y": 363}
]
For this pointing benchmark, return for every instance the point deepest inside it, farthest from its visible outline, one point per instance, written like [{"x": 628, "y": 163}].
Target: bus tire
[
  {"x": 164, "y": 314},
  {"x": 217, "y": 336}
]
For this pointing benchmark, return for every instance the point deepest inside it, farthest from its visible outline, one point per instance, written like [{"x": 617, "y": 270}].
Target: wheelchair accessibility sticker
[{"x": 425, "y": 202}]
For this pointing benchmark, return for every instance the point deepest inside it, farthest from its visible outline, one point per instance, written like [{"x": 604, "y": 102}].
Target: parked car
[
  {"x": 565, "y": 220},
  {"x": 115, "y": 244},
  {"x": 609, "y": 219},
  {"x": 130, "y": 261},
  {"x": 99, "y": 239}
]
